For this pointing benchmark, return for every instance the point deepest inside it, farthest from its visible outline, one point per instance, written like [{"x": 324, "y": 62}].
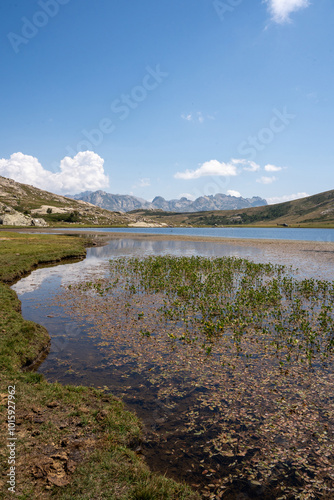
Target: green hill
[{"x": 316, "y": 210}]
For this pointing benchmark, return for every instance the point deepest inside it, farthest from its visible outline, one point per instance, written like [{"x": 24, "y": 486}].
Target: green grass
[
  {"x": 72, "y": 442},
  {"x": 21, "y": 341},
  {"x": 20, "y": 253},
  {"x": 81, "y": 447}
]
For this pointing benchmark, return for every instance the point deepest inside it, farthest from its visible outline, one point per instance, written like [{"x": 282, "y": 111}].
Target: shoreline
[
  {"x": 320, "y": 251},
  {"x": 317, "y": 251},
  {"x": 99, "y": 429}
]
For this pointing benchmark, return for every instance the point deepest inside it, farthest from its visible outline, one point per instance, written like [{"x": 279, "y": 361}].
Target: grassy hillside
[
  {"x": 56, "y": 210},
  {"x": 317, "y": 210},
  {"x": 53, "y": 208}
]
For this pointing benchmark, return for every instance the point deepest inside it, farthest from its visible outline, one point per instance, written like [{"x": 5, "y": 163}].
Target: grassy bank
[{"x": 72, "y": 442}]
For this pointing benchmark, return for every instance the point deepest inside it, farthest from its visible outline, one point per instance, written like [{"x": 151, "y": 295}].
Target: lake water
[
  {"x": 79, "y": 355},
  {"x": 298, "y": 234}
]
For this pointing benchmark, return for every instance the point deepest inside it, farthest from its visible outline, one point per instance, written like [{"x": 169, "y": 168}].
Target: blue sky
[{"x": 168, "y": 97}]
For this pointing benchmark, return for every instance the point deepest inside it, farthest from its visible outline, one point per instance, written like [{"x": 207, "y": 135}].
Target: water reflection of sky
[
  {"x": 278, "y": 233},
  {"x": 80, "y": 356},
  {"x": 308, "y": 265}
]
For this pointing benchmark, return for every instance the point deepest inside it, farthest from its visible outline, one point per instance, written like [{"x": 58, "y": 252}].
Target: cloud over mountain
[
  {"x": 212, "y": 167},
  {"x": 217, "y": 168}
]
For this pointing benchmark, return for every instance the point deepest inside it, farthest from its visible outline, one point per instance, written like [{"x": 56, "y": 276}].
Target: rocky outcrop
[
  {"x": 10, "y": 217},
  {"x": 114, "y": 202}
]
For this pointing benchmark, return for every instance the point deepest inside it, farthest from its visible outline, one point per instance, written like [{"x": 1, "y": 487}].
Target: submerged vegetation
[
  {"x": 237, "y": 356},
  {"x": 237, "y": 298},
  {"x": 72, "y": 442}
]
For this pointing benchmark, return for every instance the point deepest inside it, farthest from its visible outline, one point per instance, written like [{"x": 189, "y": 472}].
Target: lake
[
  {"x": 185, "y": 399},
  {"x": 297, "y": 234}
]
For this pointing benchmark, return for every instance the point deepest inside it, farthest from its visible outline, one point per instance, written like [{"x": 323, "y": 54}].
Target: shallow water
[
  {"x": 78, "y": 356},
  {"x": 279, "y": 233},
  {"x": 304, "y": 265}
]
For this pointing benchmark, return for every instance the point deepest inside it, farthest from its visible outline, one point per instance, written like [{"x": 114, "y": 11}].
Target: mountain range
[
  {"x": 311, "y": 211},
  {"x": 128, "y": 203},
  {"x": 25, "y": 205}
]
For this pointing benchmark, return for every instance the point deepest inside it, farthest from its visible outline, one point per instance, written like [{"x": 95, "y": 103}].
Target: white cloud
[
  {"x": 83, "y": 172},
  {"x": 280, "y": 10},
  {"x": 144, "y": 182},
  {"x": 231, "y": 192},
  {"x": 224, "y": 169},
  {"x": 286, "y": 197},
  {"x": 194, "y": 117},
  {"x": 200, "y": 117},
  {"x": 209, "y": 168},
  {"x": 272, "y": 168},
  {"x": 266, "y": 180},
  {"x": 248, "y": 165}
]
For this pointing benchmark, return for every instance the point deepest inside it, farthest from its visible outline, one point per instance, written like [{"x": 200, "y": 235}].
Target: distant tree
[{"x": 49, "y": 211}]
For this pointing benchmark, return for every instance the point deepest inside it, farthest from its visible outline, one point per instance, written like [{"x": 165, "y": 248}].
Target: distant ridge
[
  {"x": 312, "y": 211},
  {"x": 128, "y": 203},
  {"x": 25, "y": 205}
]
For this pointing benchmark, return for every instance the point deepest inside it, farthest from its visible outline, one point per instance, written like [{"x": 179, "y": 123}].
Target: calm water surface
[
  {"x": 76, "y": 358},
  {"x": 37, "y": 293},
  {"x": 281, "y": 233}
]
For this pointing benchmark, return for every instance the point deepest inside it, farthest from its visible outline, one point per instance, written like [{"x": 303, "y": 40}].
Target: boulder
[
  {"x": 39, "y": 222},
  {"x": 18, "y": 219}
]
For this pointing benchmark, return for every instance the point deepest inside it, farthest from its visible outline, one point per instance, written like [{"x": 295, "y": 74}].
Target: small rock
[{"x": 53, "y": 404}]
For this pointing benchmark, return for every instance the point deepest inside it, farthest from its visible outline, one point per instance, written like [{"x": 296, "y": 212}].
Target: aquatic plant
[{"x": 246, "y": 345}]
